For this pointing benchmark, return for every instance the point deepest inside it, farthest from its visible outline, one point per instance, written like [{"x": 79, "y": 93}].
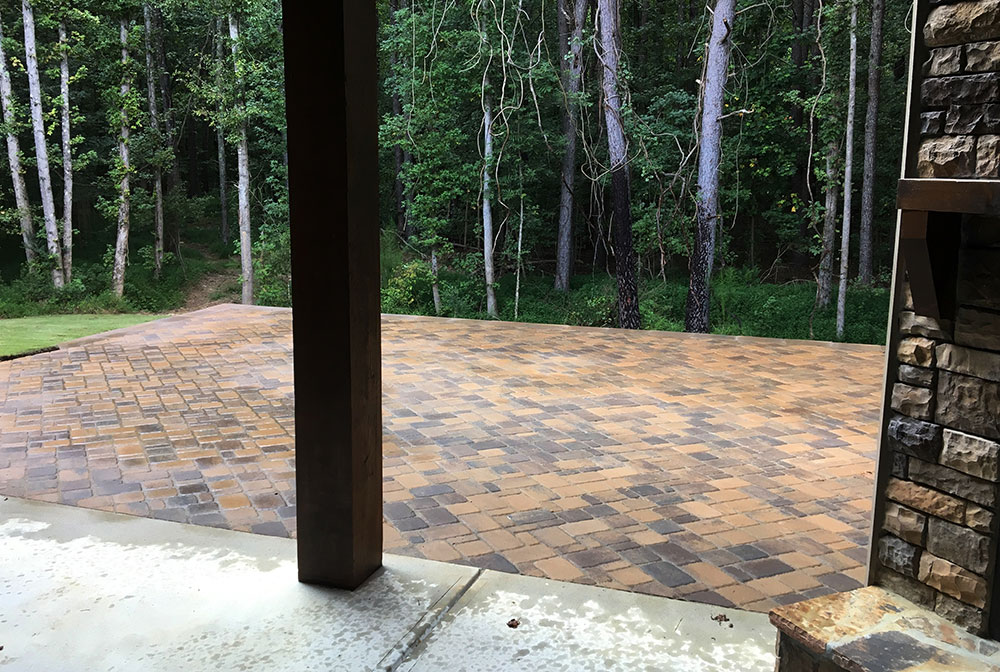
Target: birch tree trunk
[
  {"x": 243, "y": 168},
  {"x": 41, "y": 150},
  {"x": 14, "y": 157},
  {"x": 571, "y": 65},
  {"x": 625, "y": 261},
  {"x": 220, "y": 140},
  {"x": 713, "y": 91},
  {"x": 824, "y": 288},
  {"x": 866, "y": 271},
  {"x": 491, "y": 299},
  {"x": 845, "y": 233},
  {"x": 124, "y": 196},
  {"x": 67, "y": 155},
  {"x": 154, "y": 123}
]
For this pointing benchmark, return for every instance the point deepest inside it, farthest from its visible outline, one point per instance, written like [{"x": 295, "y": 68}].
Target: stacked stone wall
[
  {"x": 937, "y": 540},
  {"x": 960, "y": 92}
]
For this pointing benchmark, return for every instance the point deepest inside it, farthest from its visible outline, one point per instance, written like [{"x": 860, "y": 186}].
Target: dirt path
[{"x": 212, "y": 289}]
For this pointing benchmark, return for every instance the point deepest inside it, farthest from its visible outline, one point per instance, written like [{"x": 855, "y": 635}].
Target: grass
[{"x": 27, "y": 334}]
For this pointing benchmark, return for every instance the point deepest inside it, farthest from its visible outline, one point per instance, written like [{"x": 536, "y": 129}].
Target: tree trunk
[
  {"x": 520, "y": 237},
  {"x": 397, "y": 150},
  {"x": 41, "y": 150},
  {"x": 845, "y": 234},
  {"x": 491, "y": 299},
  {"x": 167, "y": 98},
  {"x": 571, "y": 59},
  {"x": 220, "y": 141},
  {"x": 866, "y": 271},
  {"x": 625, "y": 261},
  {"x": 154, "y": 123},
  {"x": 124, "y": 196},
  {"x": 67, "y": 155},
  {"x": 435, "y": 289},
  {"x": 14, "y": 157},
  {"x": 824, "y": 281},
  {"x": 243, "y": 167},
  {"x": 713, "y": 91}
]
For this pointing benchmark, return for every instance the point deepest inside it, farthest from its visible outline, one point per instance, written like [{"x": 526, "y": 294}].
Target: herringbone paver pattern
[{"x": 723, "y": 469}]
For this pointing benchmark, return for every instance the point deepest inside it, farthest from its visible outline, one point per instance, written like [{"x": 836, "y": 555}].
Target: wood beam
[{"x": 331, "y": 91}]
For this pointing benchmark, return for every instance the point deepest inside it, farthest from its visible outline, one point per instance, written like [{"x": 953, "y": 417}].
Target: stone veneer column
[{"x": 937, "y": 537}]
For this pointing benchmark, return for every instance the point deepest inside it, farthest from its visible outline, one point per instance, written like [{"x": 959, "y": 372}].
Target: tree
[
  {"x": 865, "y": 270},
  {"x": 154, "y": 124},
  {"x": 713, "y": 90},
  {"x": 67, "y": 153},
  {"x": 124, "y": 167},
  {"x": 824, "y": 280},
  {"x": 845, "y": 233},
  {"x": 41, "y": 149},
  {"x": 571, "y": 66},
  {"x": 220, "y": 139},
  {"x": 243, "y": 169},
  {"x": 14, "y": 158},
  {"x": 488, "y": 166},
  {"x": 621, "y": 207}
]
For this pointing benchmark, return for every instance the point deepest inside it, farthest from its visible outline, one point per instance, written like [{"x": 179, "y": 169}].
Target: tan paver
[{"x": 729, "y": 470}]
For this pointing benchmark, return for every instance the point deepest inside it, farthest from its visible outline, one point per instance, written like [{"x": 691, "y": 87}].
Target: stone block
[
  {"x": 931, "y": 123},
  {"x": 915, "y": 437},
  {"x": 916, "y": 402},
  {"x": 968, "y": 361},
  {"x": 979, "y": 278},
  {"x": 962, "y": 22},
  {"x": 947, "y": 156},
  {"x": 912, "y": 590},
  {"x": 978, "y": 518},
  {"x": 898, "y": 555},
  {"x": 977, "y": 329},
  {"x": 944, "y": 61},
  {"x": 926, "y": 499},
  {"x": 900, "y": 465},
  {"x": 988, "y": 156},
  {"x": 961, "y": 614},
  {"x": 968, "y": 404},
  {"x": 953, "y": 580},
  {"x": 905, "y": 523},
  {"x": 911, "y": 324},
  {"x": 915, "y": 375},
  {"x": 917, "y": 351},
  {"x": 979, "y": 89},
  {"x": 971, "y": 454},
  {"x": 972, "y": 119},
  {"x": 982, "y": 56},
  {"x": 958, "y": 544},
  {"x": 954, "y": 482}
]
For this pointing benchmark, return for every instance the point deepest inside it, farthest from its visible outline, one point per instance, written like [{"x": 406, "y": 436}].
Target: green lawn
[{"x": 25, "y": 334}]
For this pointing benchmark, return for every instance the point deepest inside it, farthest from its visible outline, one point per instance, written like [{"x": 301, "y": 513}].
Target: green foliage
[
  {"x": 741, "y": 304},
  {"x": 408, "y": 290}
]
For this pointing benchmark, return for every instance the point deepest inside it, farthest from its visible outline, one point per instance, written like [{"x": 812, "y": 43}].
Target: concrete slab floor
[
  {"x": 84, "y": 590},
  {"x": 573, "y": 628}
]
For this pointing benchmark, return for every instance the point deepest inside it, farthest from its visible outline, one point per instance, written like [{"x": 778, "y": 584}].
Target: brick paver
[{"x": 729, "y": 470}]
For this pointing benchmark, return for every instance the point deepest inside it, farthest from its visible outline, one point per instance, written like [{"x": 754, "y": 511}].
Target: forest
[{"x": 724, "y": 167}]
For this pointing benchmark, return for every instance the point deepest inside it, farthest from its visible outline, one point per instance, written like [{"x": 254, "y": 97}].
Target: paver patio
[{"x": 730, "y": 470}]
